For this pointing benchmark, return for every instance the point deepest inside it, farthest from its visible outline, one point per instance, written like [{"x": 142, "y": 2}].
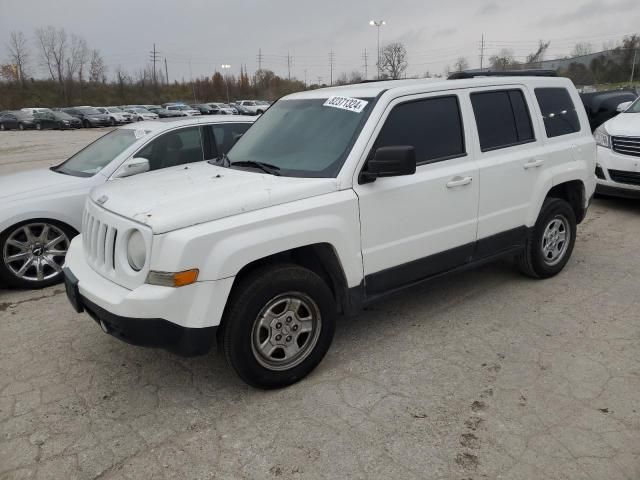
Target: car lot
[{"x": 485, "y": 375}]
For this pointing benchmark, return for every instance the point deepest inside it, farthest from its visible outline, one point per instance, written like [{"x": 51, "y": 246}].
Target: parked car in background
[
  {"x": 618, "y": 168},
  {"x": 204, "y": 109},
  {"x": 55, "y": 120},
  {"x": 333, "y": 199},
  {"x": 222, "y": 108},
  {"x": 139, "y": 114},
  {"x": 117, "y": 116},
  {"x": 186, "y": 109},
  {"x": 33, "y": 110},
  {"x": 41, "y": 210},
  {"x": 601, "y": 106},
  {"x": 16, "y": 119},
  {"x": 240, "y": 109},
  {"x": 89, "y": 116},
  {"x": 254, "y": 106},
  {"x": 164, "y": 113}
]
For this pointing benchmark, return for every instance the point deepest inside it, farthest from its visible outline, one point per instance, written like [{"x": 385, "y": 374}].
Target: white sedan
[{"x": 41, "y": 210}]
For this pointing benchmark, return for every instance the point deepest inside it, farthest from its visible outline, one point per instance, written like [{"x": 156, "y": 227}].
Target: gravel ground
[{"x": 485, "y": 375}]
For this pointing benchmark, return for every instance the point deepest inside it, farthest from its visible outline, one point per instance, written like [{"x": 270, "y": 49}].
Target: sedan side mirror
[
  {"x": 623, "y": 106},
  {"x": 392, "y": 161},
  {"x": 132, "y": 167}
]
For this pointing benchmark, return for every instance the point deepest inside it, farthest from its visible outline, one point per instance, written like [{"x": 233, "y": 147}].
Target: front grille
[
  {"x": 99, "y": 241},
  {"x": 622, "y": 176},
  {"x": 626, "y": 145}
]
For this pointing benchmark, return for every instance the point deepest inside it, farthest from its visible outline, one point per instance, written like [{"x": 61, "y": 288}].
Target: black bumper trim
[
  {"x": 617, "y": 191},
  {"x": 144, "y": 332}
]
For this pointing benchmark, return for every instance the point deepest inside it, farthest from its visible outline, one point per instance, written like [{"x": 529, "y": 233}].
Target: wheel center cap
[
  {"x": 286, "y": 330},
  {"x": 37, "y": 250}
]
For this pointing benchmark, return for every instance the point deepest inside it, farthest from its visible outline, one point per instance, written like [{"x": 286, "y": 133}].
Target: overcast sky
[{"x": 211, "y": 32}]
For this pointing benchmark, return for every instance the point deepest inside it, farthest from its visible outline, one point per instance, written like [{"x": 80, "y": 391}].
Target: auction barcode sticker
[{"x": 346, "y": 103}]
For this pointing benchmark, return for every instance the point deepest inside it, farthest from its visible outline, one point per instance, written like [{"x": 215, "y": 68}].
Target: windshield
[
  {"x": 62, "y": 116},
  {"x": 113, "y": 110},
  {"x": 635, "y": 108},
  {"x": 303, "y": 138},
  {"x": 96, "y": 156},
  {"x": 89, "y": 111},
  {"x": 184, "y": 107},
  {"x": 140, "y": 110}
]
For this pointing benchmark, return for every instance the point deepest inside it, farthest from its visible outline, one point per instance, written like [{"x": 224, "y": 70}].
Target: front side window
[
  {"x": 559, "y": 113},
  {"x": 226, "y": 135},
  {"x": 634, "y": 108},
  {"x": 99, "y": 154},
  {"x": 432, "y": 126},
  {"x": 302, "y": 137},
  {"x": 174, "y": 148},
  {"x": 502, "y": 119}
]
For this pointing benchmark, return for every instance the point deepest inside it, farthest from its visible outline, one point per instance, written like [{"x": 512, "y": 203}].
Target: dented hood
[{"x": 179, "y": 197}]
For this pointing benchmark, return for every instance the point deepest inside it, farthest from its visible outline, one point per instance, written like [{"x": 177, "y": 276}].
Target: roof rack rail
[{"x": 503, "y": 73}]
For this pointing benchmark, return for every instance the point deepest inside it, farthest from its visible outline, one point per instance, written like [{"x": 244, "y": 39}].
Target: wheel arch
[{"x": 574, "y": 193}]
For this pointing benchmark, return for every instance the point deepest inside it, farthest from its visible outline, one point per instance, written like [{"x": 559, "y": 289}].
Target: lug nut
[
  {"x": 289, "y": 338},
  {"x": 278, "y": 325},
  {"x": 295, "y": 328},
  {"x": 278, "y": 338},
  {"x": 289, "y": 319}
]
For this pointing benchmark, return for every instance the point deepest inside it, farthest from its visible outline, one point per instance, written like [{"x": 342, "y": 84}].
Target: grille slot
[
  {"x": 626, "y": 145},
  {"x": 99, "y": 242},
  {"x": 622, "y": 176}
]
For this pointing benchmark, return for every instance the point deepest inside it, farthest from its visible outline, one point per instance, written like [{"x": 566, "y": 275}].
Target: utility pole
[
  {"x": 331, "y": 58},
  {"x": 193, "y": 88},
  {"x": 154, "y": 58},
  {"x": 166, "y": 71},
  {"x": 378, "y": 24},
  {"x": 366, "y": 64},
  {"x": 259, "y": 59},
  {"x": 633, "y": 67},
  {"x": 289, "y": 66},
  {"x": 305, "y": 78},
  {"x": 481, "y": 51}
]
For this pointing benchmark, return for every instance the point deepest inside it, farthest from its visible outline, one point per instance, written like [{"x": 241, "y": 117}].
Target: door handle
[
  {"x": 458, "y": 181},
  {"x": 534, "y": 163}
]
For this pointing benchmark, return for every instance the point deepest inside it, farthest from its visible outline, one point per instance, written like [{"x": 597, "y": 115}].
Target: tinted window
[
  {"x": 173, "y": 148},
  {"x": 227, "y": 134},
  {"x": 559, "y": 113},
  {"x": 502, "y": 119},
  {"x": 432, "y": 126}
]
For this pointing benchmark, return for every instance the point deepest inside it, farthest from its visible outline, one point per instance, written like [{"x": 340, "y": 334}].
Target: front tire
[
  {"x": 32, "y": 253},
  {"x": 38, "y": 126},
  {"x": 112, "y": 122},
  {"x": 551, "y": 241},
  {"x": 86, "y": 124},
  {"x": 21, "y": 127},
  {"x": 278, "y": 326}
]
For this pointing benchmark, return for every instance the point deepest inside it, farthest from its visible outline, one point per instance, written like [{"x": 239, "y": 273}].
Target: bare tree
[
  {"x": 534, "y": 59},
  {"x": 18, "y": 54},
  {"x": 97, "y": 68},
  {"x": 582, "y": 48},
  {"x": 393, "y": 60},
  {"x": 503, "y": 60},
  {"x": 77, "y": 58},
  {"x": 53, "y": 51},
  {"x": 355, "y": 77},
  {"x": 461, "y": 64}
]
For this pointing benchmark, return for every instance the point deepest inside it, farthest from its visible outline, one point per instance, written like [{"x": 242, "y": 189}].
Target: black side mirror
[{"x": 390, "y": 162}]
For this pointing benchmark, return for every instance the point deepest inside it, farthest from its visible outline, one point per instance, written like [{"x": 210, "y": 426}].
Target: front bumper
[
  {"x": 609, "y": 161},
  {"x": 182, "y": 320}
]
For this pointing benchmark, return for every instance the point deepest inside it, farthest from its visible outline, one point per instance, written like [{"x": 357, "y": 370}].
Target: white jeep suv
[
  {"x": 618, "y": 140},
  {"x": 332, "y": 199}
]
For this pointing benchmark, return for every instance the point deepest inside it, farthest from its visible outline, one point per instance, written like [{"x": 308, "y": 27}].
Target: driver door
[{"x": 416, "y": 226}]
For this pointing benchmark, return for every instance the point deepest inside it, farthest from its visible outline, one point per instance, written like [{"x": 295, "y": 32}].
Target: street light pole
[
  {"x": 224, "y": 67},
  {"x": 378, "y": 24}
]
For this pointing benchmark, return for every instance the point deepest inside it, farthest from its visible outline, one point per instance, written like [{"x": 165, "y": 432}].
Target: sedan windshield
[
  {"x": 303, "y": 138},
  {"x": 62, "y": 116},
  {"x": 113, "y": 110},
  {"x": 97, "y": 155},
  {"x": 89, "y": 111}
]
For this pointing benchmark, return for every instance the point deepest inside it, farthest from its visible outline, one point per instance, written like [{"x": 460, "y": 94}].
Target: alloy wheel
[
  {"x": 35, "y": 252},
  {"x": 286, "y": 331},
  {"x": 555, "y": 240}
]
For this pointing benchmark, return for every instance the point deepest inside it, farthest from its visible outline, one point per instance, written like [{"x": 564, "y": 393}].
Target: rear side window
[
  {"x": 559, "y": 113},
  {"x": 433, "y": 126},
  {"x": 502, "y": 118}
]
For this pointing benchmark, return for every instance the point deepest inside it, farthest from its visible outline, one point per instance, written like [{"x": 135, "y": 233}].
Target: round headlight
[{"x": 136, "y": 250}]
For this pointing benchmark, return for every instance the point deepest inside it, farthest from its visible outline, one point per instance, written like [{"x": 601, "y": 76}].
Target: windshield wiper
[
  {"x": 221, "y": 161},
  {"x": 265, "y": 167}
]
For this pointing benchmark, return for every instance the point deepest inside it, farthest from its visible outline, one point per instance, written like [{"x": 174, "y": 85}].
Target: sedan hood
[
  {"x": 183, "y": 196},
  {"x": 624, "y": 124},
  {"x": 34, "y": 183}
]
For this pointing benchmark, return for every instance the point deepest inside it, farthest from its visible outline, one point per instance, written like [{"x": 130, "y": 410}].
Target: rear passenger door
[
  {"x": 510, "y": 161},
  {"x": 416, "y": 226}
]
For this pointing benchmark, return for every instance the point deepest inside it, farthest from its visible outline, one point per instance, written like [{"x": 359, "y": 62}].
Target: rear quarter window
[{"x": 558, "y": 111}]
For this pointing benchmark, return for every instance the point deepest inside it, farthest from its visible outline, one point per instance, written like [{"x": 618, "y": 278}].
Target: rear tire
[
  {"x": 278, "y": 325},
  {"x": 38, "y": 126},
  {"x": 550, "y": 242},
  {"x": 86, "y": 124},
  {"x": 2, "y": 127}
]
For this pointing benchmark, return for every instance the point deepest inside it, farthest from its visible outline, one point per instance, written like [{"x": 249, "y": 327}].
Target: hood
[
  {"x": 183, "y": 196},
  {"x": 624, "y": 124},
  {"x": 34, "y": 183}
]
